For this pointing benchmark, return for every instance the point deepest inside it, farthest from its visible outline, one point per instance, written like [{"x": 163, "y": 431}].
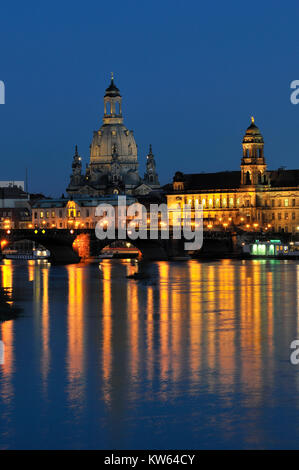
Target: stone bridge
[{"x": 60, "y": 243}]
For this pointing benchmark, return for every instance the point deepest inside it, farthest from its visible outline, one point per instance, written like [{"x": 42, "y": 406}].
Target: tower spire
[
  {"x": 112, "y": 104},
  {"x": 253, "y": 165},
  {"x": 151, "y": 175}
]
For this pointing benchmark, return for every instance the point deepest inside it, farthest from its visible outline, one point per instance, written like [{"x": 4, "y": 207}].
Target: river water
[{"x": 193, "y": 356}]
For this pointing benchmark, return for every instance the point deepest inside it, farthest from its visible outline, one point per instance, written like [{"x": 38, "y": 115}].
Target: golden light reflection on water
[
  {"x": 7, "y": 336},
  {"x": 106, "y": 328},
  {"x": 187, "y": 326},
  {"x": 75, "y": 328},
  {"x": 45, "y": 362}
]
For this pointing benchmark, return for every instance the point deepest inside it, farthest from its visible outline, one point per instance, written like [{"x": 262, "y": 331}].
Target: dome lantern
[{"x": 112, "y": 104}]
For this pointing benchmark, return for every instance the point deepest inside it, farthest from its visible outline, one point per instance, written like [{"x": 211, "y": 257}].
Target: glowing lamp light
[
  {"x": 225, "y": 225},
  {"x": 8, "y": 232},
  {"x": 43, "y": 231},
  {"x": 247, "y": 225},
  {"x": 71, "y": 231},
  {"x": 3, "y": 243}
]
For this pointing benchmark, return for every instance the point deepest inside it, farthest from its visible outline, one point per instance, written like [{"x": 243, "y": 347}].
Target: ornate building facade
[
  {"x": 253, "y": 199},
  {"x": 113, "y": 166},
  {"x": 76, "y": 213}
]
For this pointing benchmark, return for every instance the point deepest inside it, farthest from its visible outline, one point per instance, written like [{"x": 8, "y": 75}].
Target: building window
[
  {"x": 279, "y": 202},
  {"x": 273, "y": 216},
  {"x": 53, "y": 213},
  {"x": 293, "y": 202},
  {"x": 87, "y": 212},
  {"x": 279, "y": 216},
  {"x": 47, "y": 214},
  {"x": 231, "y": 202},
  {"x": 293, "y": 216},
  {"x": 35, "y": 215},
  {"x": 78, "y": 213},
  {"x": 286, "y": 203},
  {"x": 60, "y": 213},
  {"x": 286, "y": 215},
  {"x": 210, "y": 202},
  {"x": 273, "y": 203},
  {"x": 41, "y": 215}
]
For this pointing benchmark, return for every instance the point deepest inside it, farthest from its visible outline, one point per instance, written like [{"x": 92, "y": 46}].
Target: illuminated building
[
  {"x": 253, "y": 199},
  {"x": 77, "y": 213},
  {"x": 113, "y": 165},
  {"x": 15, "y": 209}
]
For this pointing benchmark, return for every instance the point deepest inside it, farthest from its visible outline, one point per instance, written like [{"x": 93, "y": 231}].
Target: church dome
[
  {"x": 132, "y": 178},
  {"x": 253, "y": 134},
  {"x": 113, "y": 139}
]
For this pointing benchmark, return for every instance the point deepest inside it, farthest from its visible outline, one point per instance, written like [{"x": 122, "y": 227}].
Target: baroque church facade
[
  {"x": 253, "y": 199},
  {"x": 113, "y": 167}
]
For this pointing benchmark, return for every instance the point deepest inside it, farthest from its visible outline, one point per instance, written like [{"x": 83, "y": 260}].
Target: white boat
[
  {"x": 107, "y": 255},
  {"x": 41, "y": 254},
  {"x": 35, "y": 254}
]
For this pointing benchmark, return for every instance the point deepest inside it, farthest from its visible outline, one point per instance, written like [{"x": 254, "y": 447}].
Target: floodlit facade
[
  {"x": 113, "y": 167},
  {"x": 253, "y": 199},
  {"x": 79, "y": 213}
]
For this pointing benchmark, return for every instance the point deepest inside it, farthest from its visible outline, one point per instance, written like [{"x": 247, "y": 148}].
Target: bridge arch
[{"x": 60, "y": 247}]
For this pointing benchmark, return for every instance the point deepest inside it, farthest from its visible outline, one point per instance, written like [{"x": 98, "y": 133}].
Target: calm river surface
[{"x": 194, "y": 356}]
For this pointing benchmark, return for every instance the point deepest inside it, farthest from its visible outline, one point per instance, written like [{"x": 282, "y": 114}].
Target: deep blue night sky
[{"x": 191, "y": 74}]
